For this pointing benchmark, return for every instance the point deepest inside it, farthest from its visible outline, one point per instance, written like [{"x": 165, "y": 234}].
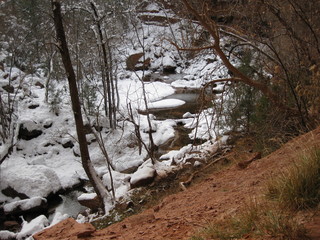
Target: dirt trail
[{"x": 179, "y": 215}]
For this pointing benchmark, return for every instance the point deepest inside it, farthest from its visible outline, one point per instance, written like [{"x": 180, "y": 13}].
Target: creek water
[
  {"x": 67, "y": 205},
  {"x": 192, "y": 105}
]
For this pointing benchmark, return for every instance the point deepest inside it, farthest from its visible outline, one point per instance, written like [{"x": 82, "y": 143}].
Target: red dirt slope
[{"x": 178, "y": 216}]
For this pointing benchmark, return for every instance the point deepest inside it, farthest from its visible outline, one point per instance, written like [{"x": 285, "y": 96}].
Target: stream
[
  {"x": 68, "y": 203},
  {"x": 192, "y": 105}
]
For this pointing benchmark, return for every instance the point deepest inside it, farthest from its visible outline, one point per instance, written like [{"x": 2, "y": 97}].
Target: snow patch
[
  {"x": 166, "y": 103},
  {"x": 25, "y": 204},
  {"x": 145, "y": 171},
  {"x": 31, "y": 180},
  {"x": 29, "y": 228}
]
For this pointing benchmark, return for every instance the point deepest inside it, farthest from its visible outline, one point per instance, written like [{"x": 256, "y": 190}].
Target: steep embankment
[{"x": 178, "y": 216}]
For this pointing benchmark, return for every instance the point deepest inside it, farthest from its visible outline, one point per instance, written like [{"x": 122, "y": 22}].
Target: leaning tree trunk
[{"x": 76, "y": 107}]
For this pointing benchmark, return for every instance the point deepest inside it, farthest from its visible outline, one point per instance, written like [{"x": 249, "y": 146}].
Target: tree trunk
[
  {"x": 76, "y": 107},
  {"x": 107, "y": 71}
]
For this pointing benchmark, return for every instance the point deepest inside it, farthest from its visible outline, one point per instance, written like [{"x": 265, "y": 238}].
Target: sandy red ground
[{"x": 180, "y": 215}]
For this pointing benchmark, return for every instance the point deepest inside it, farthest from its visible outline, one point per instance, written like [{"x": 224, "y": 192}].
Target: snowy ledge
[{"x": 165, "y": 103}]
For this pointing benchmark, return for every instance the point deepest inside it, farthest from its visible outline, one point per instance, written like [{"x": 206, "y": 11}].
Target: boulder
[
  {"x": 29, "y": 130},
  {"x": 135, "y": 62},
  {"x": 27, "y": 205},
  {"x": 8, "y": 88},
  {"x": 31, "y": 181},
  {"x": 169, "y": 65}
]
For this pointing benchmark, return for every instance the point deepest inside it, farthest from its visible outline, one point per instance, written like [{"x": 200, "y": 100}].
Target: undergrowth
[
  {"x": 299, "y": 186},
  {"x": 260, "y": 221}
]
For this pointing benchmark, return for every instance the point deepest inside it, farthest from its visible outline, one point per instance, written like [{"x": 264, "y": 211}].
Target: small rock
[
  {"x": 8, "y": 88},
  {"x": 143, "y": 176},
  {"x": 33, "y": 106},
  {"x": 39, "y": 84},
  {"x": 90, "y": 201},
  {"x": 68, "y": 144},
  {"x": 34, "y": 204},
  {"x": 11, "y": 225}
]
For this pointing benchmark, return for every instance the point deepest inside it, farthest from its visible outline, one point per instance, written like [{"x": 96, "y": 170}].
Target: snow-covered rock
[
  {"x": 166, "y": 103},
  {"x": 58, "y": 217},
  {"x": 89, "y": 200},
  {"x": 29, "y": 130},
  {"x": 31, "y": 180},
  {"x": 7, "y": 235},
  {"x": 169, "y": 65},
  {"x": 31, "y": 204},
  {"x": 144, "y": 175},
  {"x": 29, "y": 228}
]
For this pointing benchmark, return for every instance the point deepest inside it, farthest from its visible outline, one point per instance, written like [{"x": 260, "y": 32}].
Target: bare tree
[
  {"x": 76, "y": 107},
  {"x": 106, "y": 69}
]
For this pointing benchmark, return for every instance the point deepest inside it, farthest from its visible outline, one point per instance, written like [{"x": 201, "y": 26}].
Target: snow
[
  {"x": 42, "y": 166},
  {"x": 58, "y": 217},
  {"x": 31, "y": 180},
  {"x": 121, "y": 183},
  {"x": 165, "y": 103},
  {"x": 4, "y": 235},
  {"x": 175, "y": 155},
  {"x": 145, "y": 171},
  {"x": 152, "y": 7},
  {"x": 165, "y": 131},
  {"x": 25, "y": 204},
  {"x": 87, "y": 196},
  {"x": 29, "y": 228}
]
